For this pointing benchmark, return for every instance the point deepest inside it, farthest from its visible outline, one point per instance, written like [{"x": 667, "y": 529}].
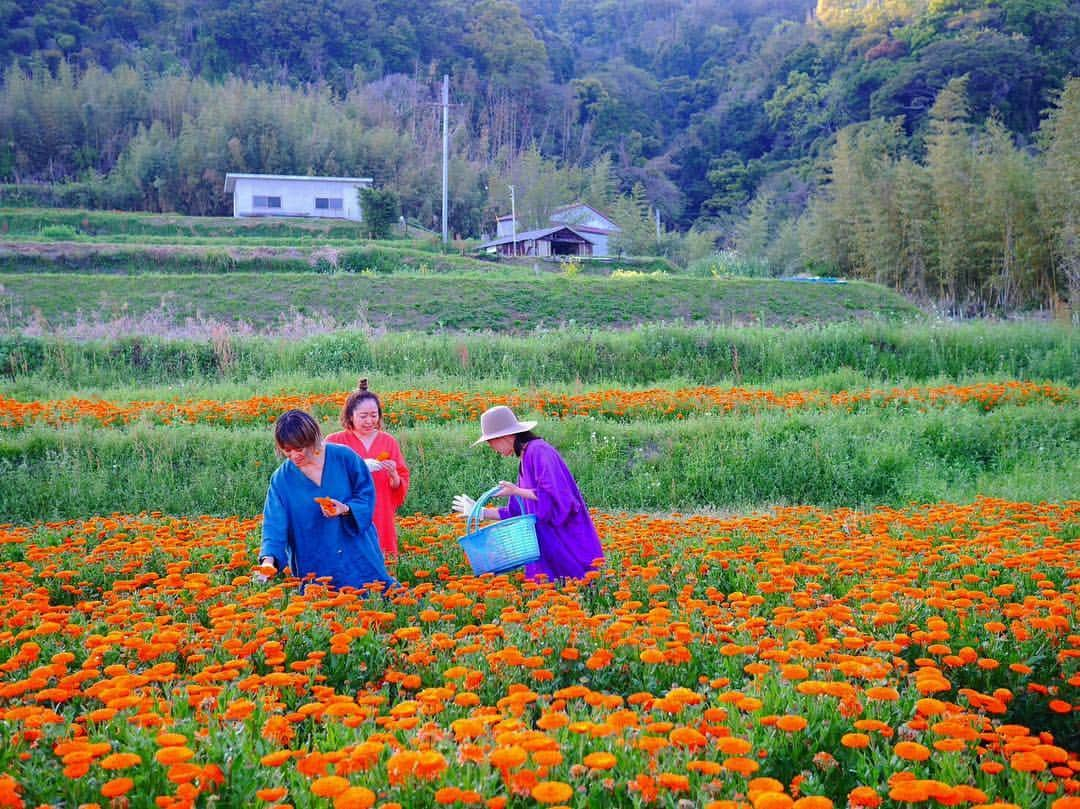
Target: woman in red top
[{"x": 362, "y": 419}]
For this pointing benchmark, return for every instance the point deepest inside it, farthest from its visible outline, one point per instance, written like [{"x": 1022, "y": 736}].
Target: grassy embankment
[{"x": 434, "y": 303}]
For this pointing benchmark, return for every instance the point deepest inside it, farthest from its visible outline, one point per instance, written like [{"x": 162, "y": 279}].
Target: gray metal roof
[
  {"x": 231, "y": 178},
  {"x": 531, "y": 235}
]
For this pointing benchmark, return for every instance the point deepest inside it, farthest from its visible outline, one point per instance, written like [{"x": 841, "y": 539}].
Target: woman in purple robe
[{"x": 569, "y": 544}]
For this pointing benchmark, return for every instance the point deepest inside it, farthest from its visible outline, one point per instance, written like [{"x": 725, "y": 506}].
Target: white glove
[
  {"x": 463, "y": 504},
  {"x": 372, "y": 464}
]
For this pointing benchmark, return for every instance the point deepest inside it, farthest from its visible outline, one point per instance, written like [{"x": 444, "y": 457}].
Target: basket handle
[{"x": 477, "y": 513}]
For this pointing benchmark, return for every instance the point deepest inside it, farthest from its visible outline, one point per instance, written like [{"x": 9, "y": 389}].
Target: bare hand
[
  {"x": 331, "y": 507},
  {"x": 265, "y": 571},
  {"x": 508, "y": 489}
]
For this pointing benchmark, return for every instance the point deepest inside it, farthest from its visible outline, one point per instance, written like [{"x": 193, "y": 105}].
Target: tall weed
[{"x": 877, "y": 352}]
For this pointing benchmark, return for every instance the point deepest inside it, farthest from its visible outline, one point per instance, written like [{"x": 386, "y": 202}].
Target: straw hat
[{"x": 498, "y": 421}]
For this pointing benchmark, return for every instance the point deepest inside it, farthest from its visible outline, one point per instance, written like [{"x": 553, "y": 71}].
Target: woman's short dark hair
[
  {"x": 356, "y": 397},
  {"x": 521, "y": 439},
  {"x": 295, "y": 429}
]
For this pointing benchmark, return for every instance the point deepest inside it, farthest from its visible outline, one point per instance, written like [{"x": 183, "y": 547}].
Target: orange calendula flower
[
  {"x": 328, "y": 786},
  {"x": 742, "y": 766},
  {"x": 1027, "y": 762},
  {"x": 864, "y": 798},
  {"x": 174, "y": 755},
  {"x": 552, "y": 792},
  {"x": 117, "y": 787},
  {"x": 855, "y": 741},
  {"x": 120, "y": 761},
  {"x": 356, "y": 797},
  {"x": 506, "y": 758},
  {"x": 911, "y": 751},
  {"x": 791, "y": 724},
  {"x": 599, "y": 761},
  {"x": 277, "y": 758},
  {"x": 688, "y": 737},
  {"x": 773, "y": 800}
]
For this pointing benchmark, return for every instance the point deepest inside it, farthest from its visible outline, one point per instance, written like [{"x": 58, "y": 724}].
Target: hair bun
[{"x": 362, "y": 384}]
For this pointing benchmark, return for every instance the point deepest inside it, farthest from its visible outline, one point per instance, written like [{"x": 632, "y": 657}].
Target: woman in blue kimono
[
  {"x": 569, "y": 544},
  {"x": 317, "y": 516}
]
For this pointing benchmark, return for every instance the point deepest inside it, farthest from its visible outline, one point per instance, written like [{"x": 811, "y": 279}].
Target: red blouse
[{"x": 387, "y": 500}]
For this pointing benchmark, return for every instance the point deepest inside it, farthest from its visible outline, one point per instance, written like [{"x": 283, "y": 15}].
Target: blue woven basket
[{"x": 502, "y": 546}]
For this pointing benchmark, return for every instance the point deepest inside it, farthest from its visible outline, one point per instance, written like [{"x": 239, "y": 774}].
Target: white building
[{"x": 289, "y": 195}]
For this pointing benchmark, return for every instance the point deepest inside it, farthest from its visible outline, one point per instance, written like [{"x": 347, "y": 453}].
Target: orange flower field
[
  {"x": 413, "y": 406},
  {"x": 918, "y": 657}
]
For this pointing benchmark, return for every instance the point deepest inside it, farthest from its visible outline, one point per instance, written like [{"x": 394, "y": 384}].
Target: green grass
[
  {"x": 32, "y": 221},
  {"x": 226, "y": 257},
  {"x": 436, "y": 303},
  {"x": 738, "y": 462},
  {"x": 878, "y": 353}
]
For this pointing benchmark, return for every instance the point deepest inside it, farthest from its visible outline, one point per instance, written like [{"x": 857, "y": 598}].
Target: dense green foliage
[
  {"x": 977, "y": 224},
  {"x": 873, "y": 351},
  {"x": 719, "y": 115},
  {"x": 381, "y": 211},
  {"x": 827, "y": 459}
]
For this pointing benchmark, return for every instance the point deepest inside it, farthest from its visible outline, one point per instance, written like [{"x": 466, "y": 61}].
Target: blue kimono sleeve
[
  {"x": 361, "y": 498},
  {"x": 275, "y": 529}
]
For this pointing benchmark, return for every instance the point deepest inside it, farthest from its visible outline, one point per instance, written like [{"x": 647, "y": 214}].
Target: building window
[
  {"x": 265, "y": 202},
  {"x": 329, "y": 203}
]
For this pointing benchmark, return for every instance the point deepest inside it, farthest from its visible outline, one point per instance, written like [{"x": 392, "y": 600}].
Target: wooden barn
[
  {"x": 559, "y": 240},
  {"x": 584, "y": 220}
]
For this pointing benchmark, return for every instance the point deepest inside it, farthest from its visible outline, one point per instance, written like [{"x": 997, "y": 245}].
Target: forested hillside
[{"x": 723, "y": 115}]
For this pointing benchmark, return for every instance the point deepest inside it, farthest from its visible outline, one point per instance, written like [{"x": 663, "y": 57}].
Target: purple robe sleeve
[
  {"x": 556, "y": 492},
  {"x": 511, "y": 509},
  {"x": 545, "y": 472}
]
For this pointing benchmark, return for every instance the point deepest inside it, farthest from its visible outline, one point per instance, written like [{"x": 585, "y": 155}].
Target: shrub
[{"x": 59, "y": 232}]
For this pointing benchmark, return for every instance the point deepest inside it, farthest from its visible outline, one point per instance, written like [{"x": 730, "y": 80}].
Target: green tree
[
  {"x": 638, "y": 233},
  {"x": 915, "y": 211},
  {"x": 380, "y": 210},
  {"x": 949, "y": 160},
  {"x": 1059, "y": 187},
  {"x": 1020, "y": 270},
  {"x": 754, "y": 232}
]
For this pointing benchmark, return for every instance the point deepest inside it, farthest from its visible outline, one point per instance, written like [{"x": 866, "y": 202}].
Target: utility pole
[
  {"x": 445, "y": 155},
  {"x": 513, "y": 221}
]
